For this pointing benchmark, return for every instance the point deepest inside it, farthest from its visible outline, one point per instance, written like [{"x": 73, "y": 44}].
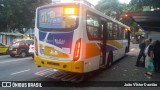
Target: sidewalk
[{"x": 125, "y": 70}]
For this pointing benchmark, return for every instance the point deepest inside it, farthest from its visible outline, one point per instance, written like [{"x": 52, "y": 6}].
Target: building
[{"x": 6, "y": 38}]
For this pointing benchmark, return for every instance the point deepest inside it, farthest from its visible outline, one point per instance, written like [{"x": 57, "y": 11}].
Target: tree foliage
[
  {"x": 18, "y": 14},
  {"x": 140, "y": 3},
  {"x": 112, "y": 8},
  {"x": 117, "y": 10}
]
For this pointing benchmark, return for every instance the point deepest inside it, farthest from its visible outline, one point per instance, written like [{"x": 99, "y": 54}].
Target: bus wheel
[{"x": 110, "y": 60}]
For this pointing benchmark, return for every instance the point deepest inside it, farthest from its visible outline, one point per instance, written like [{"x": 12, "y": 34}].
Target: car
[
  {"x": 3, "y": 49},
  {"x": 31, "y": 50},
  {"x": 20, "y": 47}
]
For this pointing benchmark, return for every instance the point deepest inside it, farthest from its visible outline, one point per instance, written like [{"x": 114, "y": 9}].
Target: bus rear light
[
  {"x": 36, "y": 46},
  {"x": 77, "y": 50}
]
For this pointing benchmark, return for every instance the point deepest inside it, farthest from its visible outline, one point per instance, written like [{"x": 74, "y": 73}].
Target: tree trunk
[{"x": 8, "y": 28}]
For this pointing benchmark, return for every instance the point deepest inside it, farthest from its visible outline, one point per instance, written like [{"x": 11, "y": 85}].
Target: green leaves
[
  {"x": 115, "y": 9},
  {"x": 18, "y": 14},
  {"x": 112, "y": 8},
  {"x": 137, "y": 5}
]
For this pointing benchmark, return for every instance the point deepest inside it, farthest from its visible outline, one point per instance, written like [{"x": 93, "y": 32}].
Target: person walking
[
  {"x": 149, "y": 59},
  {"x": 142, "y": 47},
  {"x": 156, "y": 51}
]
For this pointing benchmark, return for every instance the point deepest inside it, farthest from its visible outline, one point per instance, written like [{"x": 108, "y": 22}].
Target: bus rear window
[{"x": 57, "y": 18}]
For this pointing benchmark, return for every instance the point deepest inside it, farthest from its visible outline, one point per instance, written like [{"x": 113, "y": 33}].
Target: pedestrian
[
  {"x": 142, "y": 47},
  {"x": 156, "y": 51},
  {"x": 150, "y": 40},
  {"x": 149, "y": 59}
]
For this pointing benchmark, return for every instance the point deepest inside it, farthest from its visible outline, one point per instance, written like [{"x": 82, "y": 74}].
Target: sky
[{"x": 94, "y": 2}]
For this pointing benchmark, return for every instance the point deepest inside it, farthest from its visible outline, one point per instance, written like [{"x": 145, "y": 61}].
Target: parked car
[
  {"x": 31, "y": 50},
  {"x": 19, "y": 47},
  {"x": 3, "y": 49}
]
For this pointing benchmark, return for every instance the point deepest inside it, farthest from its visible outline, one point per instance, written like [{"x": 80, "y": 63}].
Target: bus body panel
[
  {"x": 93, "y": 53},
  {"x": 55, "y": 45},
  {"x": 56, "y": 49}
]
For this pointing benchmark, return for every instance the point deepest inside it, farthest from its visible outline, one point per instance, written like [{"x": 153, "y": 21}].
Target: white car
[{"x": 31, "y": 50}]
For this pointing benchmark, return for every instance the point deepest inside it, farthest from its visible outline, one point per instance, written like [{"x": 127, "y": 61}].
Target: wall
[{"x": 154, "y": 35}]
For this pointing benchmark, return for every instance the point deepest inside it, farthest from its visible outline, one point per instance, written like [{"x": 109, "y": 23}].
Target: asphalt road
[
  {"x": 18, "y": 69},
  {"x": 23, "y": 69}
]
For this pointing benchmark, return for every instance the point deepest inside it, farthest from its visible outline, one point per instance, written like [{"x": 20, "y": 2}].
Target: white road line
[
  {"x": 20, "y": 72},
  {"x": 14, "y": 60}
]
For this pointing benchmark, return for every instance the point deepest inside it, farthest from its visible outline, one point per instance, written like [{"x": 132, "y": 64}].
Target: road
[
  {"x": 23, "y": 69},
  {"x": 18, "y": 69}
]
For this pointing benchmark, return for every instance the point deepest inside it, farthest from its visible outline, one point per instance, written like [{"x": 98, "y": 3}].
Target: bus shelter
[{"x": 149, "y": 21}]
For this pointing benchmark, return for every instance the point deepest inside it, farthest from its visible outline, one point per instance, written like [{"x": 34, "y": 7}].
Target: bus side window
[
  {"x": 93, "y": 27},
  {"x": 119, "y": 33},
  {"x": 126, "y": 35},
  {"x": 123, "y": 33},
  {"x": 110, "y": 30},
  {"x": 115, "y": 31}
]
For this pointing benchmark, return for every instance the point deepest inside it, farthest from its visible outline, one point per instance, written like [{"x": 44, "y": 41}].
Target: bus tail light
[
  {"x": 77, "y": 50},
  {"x": 35, "y": 46}
]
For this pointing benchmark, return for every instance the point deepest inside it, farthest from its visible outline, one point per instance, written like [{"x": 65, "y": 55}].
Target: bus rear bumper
[{"x": 71, "y": 66}]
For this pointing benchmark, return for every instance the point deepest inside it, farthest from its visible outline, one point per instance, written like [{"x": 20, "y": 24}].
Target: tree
[
  {"x": 18, "y": 14},
  {"x": 112, "y": 8},
  {"x": 117, "y": 10},
  {"x": 137, "y": 5}
]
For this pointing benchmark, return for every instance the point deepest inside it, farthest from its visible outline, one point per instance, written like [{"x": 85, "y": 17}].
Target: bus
[{"x": 76, "y": 38}]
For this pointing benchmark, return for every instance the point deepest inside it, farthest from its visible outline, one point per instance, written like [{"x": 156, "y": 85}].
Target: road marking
[
  {"x": 14, "y": 60},
  {"x": 20, "y": 72}
]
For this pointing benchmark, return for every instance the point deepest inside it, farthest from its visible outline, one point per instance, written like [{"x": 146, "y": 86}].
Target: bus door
[
  {"x": 127, "y": 37},
  {"x": 104, "y": 41}
]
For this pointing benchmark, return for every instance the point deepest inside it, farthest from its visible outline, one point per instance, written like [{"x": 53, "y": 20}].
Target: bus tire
[{"x": 109, "y": 60}]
